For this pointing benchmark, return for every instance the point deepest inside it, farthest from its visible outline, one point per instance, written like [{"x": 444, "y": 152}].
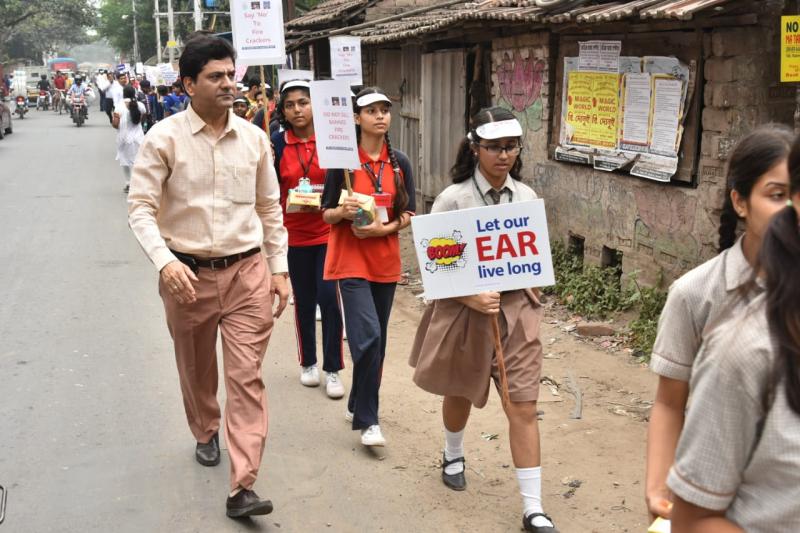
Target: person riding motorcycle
[{"x": 78, "y": 89}]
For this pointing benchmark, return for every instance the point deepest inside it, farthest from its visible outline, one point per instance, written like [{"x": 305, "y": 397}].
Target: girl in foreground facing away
[
  {"x": 365, "y": 259},
  {"x": 758, "y": 187},
  {"x": 737, "y": 467},
  {"x": 454, "y": 350},
  {"x": 295, "y": 159}
]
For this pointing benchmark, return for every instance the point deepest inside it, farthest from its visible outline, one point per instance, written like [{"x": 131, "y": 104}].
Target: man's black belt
[{"x": 214, "y": 263}]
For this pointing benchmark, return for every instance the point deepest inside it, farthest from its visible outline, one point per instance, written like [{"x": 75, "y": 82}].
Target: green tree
[{"x": 31, "y": 28}]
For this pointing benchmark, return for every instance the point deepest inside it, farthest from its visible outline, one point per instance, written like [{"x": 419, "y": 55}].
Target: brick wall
[{"x": 661, "y": 230}]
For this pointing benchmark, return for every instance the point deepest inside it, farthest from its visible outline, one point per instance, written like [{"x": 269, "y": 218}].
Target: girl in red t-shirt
[
  {"x": 365, "y": 260},
  {"x": 296, "y": 158}
]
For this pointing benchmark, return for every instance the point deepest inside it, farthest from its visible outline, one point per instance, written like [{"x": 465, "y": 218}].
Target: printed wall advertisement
[
  {"x": 592, "y": 108},
  {"x": 258, "y": 32},
  {"x": 790, "y": 48},
  {"x": 334, "y": 124},
  {"x": 346, "y": 59},
  {"x": 497, "y": 248}
]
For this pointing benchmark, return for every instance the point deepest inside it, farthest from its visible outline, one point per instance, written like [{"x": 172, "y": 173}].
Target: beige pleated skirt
[{"x": 453, "y": 352}]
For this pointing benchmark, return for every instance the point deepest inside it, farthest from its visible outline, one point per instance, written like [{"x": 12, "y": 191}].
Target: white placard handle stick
[{"x": 265, "y": 99}]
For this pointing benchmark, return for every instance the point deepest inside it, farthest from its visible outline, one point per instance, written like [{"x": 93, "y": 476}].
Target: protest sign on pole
[
  {"x": 496, "y": 248},
  {"x": 285, "y": 74},
  {"x": 258, "y": 32},
  {"x": 168, "y": 74},
  {"x": 334, "y": 125},
  {"x": 346, "y": 59}
]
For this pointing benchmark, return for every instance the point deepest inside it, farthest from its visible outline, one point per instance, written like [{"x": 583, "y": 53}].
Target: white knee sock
[
  {"x": 530, "y": 487},
  {"x": 453, "y": 449}
]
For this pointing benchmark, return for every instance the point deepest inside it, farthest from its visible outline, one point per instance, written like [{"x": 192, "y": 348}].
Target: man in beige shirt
[{"x": 204, "y": 203}]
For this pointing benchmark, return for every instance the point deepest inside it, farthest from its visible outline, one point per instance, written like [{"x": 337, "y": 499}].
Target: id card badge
[{"x": 383, "y": 201}]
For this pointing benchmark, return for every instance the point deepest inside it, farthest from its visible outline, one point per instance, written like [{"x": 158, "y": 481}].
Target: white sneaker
[
  {"x": 333, "y": 385},
  {"x": 372, "y": 436},
  {"x": 348, "y": 415},
  {"x": 309, "y": 376}
]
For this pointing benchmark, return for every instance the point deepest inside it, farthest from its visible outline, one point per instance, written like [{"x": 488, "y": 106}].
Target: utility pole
[
  {"x": 136, "y": 57},
  {"x": 171, "y": 29},
  {"x": 198, "y": 16},
  {"x": 157, "y": 16}
]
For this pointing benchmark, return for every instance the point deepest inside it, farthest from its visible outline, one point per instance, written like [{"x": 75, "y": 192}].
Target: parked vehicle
[
  {"x": 5, "y": 117},
  {"x": 79, "y": 110},
  {"x": 22, "y": 105}
]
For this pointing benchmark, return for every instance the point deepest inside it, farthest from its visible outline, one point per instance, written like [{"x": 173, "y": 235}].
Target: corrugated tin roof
[
  {"x": 325, "y": 12},
  {"x": 526, "y": 11}
]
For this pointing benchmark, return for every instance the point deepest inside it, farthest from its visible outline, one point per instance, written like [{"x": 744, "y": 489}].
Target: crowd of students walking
[{"x": 209, "y": 195}]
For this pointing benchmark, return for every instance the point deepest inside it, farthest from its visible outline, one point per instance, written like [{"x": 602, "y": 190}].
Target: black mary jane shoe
[
  {"x": 208, "y": 454},
  {"x": 527, "y": 524},
  {"x": 454, "y": 481},
  {"x": 247, "y": 503}
]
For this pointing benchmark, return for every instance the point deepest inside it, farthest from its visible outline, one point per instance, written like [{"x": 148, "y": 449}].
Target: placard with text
[
  {"x": 334, "y": 125},
  {"x": 346, "y": 59},
  {"x": 496, "y": 248},
  {"x": 258, "y": 32}
]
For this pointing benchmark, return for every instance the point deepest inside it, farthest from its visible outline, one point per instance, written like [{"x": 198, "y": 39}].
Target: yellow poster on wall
[
  {"x": 790, "y": 48},
  {"x": 592, "y": 109}
]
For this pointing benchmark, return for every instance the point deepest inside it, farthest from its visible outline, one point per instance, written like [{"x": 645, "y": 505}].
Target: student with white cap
[
  {"x": 365, "y": 259},
  {"x": 453, "y": 353},
  {"x": 295, "y": 159}
]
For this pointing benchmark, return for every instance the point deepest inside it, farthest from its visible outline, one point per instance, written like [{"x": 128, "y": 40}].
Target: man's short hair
[
  {"x": 144, "y": 85},
  {"x": 200, "y": 50},
  {"x": 120, "y": 74}
]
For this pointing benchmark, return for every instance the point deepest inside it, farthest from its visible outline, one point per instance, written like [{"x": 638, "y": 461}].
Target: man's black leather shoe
[
  {"x": 208, "y": 454},
  {"x": 247, "y": 503},
  {"x": 454, "y": 481}
]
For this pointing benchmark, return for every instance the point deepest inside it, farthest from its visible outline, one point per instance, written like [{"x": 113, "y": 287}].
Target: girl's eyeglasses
[{"x": 497, "y": 150}]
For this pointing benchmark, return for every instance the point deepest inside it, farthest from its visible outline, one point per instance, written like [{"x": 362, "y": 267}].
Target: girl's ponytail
[
  {"x": 401, "y": 195},
  {"x": 728, "y": 221},
  {"x": 136, "y": 113},
  {"x": 780, "y": 257}
]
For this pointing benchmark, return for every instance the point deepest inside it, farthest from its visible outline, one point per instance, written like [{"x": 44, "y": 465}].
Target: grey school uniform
[
  {"x": 699, "y": 298},
  {"x": 723, "y": 462},
  {"x": 453, "y": 351}
]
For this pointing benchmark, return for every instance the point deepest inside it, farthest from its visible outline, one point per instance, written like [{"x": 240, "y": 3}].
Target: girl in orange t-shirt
[{"x": 365, "y": 260}]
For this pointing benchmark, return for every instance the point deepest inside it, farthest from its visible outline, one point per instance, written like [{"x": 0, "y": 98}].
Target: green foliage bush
[{"x": 596, "y": 292}]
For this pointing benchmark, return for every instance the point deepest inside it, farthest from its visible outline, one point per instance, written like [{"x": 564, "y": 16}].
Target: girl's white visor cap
[
  {"x": 499, "y": 130},
  {"x": 294, "y": 84},
  {"x": 369, "y": 99}
]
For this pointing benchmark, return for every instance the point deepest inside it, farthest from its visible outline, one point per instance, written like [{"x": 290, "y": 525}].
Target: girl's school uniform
[
  {"x": 308, "y": 238},
  {"x": 367, "y": 271},
  {"x": 453, "y": 352},
  {"x": 739, "y": 451},
  {"x": 703, "y": 296}
]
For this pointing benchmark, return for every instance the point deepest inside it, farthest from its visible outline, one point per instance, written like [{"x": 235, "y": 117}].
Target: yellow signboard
[
  {"x": 172, "y": 44},
  {"x": 790, "y": 48},
  {"x": 592, "y": 108}
]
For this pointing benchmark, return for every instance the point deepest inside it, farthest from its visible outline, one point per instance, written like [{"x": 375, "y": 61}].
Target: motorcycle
[
  {"x": 43, "y": 101},
  {"x": 79, "y": 110},
  {"x": 22, "y": 106}
]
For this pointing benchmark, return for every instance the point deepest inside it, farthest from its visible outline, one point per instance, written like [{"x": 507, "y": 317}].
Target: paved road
[{"x": 92, "y": 431}]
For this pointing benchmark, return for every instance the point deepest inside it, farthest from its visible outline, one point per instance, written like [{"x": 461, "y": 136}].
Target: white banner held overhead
[
  {"x": 285, "y": 74},
  {"x": 346, "y": 59},
  {"x": 334, "y": 126},
  {"x": 497, "y": 248},
  {"x": 258, "y": 32}
]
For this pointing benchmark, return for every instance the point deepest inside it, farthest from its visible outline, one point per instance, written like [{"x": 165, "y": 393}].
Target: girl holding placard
[
  {"x": 364, "y": 250},
  {"x": 295, "y": 160},
  {"x": 758, "y": 186},
  {"x": 453, "y": 352}
]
